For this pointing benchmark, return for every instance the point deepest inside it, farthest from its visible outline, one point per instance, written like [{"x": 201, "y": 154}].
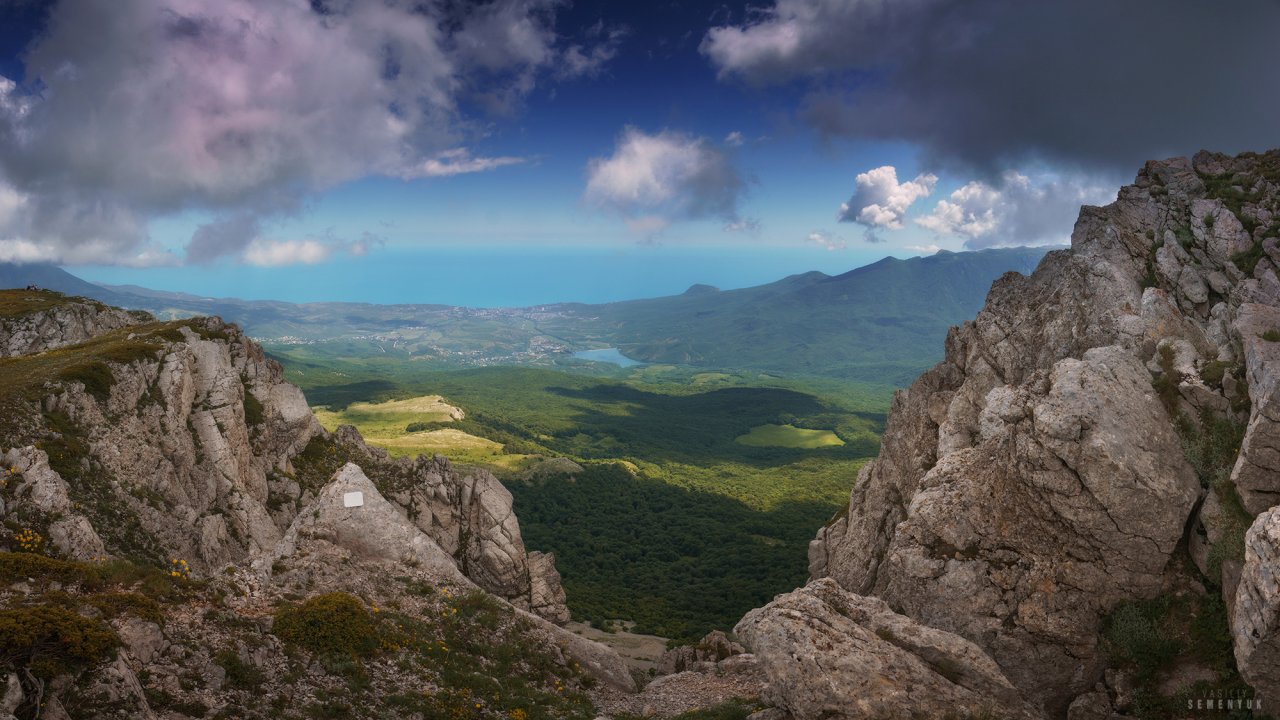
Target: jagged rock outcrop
[
  {"x": 1257, "y": 475},
  {"x": 1046, "y": 470},
  {"x": 188, "y": 425},
  {"x": 180, "y": 444},
  {"x": 188, "y": 436},
  {"x": 350, "y": 512},
  {"x": 45, "y": 492},
  {"x": 470, "y": 517},
  {"x": 711, "y": 649},
  {"x": 1256, "y": 630},
  {"x": 829, "y": 653},
  {"x": 376, "y": 535},
  {"x": 37, "y": 323}
]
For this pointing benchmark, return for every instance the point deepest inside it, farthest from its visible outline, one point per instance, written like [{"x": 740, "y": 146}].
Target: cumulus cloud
[
  {"x": 1016, "y": 211},
  {"x": 654, "y": 179},
  {"x": 990, "y": 84},
  {"x": 274, "y": 253},
  {"x": 826, "y": 240},
  {"x": 136, "y": 109},
  {"x": 880, "y": 201}
]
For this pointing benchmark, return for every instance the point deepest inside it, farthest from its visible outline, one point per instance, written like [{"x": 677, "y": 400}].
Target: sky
[{"x": 540, "y": 150}]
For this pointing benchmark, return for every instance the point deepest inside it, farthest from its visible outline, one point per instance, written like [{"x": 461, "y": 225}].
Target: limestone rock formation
[
  {"x": 828, "y": 653},
  {"x": 350, "y": 513},
  {"x": 711, "y": 649},
  {"x": 1088, "y": 420},
  {"x": 179, "y": 444},
  {"x": 350, "y": 522},
  {"x": 45, "y": 325},
  {"x": 1256, "y": 630}
]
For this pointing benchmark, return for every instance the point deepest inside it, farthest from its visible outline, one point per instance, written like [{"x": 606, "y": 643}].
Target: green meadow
[{"x": 789, "y": 436}]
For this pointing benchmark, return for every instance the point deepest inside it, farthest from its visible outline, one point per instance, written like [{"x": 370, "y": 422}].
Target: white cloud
[
  {"x": 138, "y": 109},
  {"x": 803, "y": 37},
  {"x": 21, "y": 250},
  {"x": 668, "y": 176},
  {"x": 826, "y": 240},
  {"x": 734, "y": 139},
  {"x": 1019, "y": 211},
  {"x": 880, "y": 201},
  {"x": 458, "y": 161},
  {"x": 971, "y": 211},
  {"x": 588, "y": 60},
  {"x": 923, "y": 249},
  {"x": 275, "y": 253}
]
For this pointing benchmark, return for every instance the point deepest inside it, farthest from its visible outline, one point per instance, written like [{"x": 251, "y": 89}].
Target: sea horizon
[{"x": 494, "y": 276}]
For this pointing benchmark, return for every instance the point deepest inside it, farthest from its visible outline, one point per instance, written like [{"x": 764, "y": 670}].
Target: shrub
[
  {"x": 1214, "y": 370},
  {"x": 114, "y": 604},
  {"x": 1134, "y": 636},
  {"x": 17, "y": 567},
  {"x": 96, "y": 377},
  {"x": 1185, "y": 237},
  {"x": 1247, "y": 260},
  {"x": 240, "y": 674},
  {"x": 53, "y": 640},
  {"x": 1271, "y": 336},
  {"x": 1210, "y": 446},
  {"x": 331, "y": 624},
  {"x": 1166, "y": 383},
  {"x": 253, "y": 410}
]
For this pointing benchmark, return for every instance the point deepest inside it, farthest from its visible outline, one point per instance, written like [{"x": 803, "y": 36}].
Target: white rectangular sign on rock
[{"x": 352, "y": 499}]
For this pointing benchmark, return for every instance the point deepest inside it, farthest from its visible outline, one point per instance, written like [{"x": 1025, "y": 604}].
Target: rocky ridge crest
[{"x": 1095, "y": 444}]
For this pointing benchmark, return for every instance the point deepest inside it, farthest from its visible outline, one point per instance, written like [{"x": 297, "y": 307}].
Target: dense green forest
[
  {"x": 678, "y": 562},
  {"x": 678, "y": 521}
]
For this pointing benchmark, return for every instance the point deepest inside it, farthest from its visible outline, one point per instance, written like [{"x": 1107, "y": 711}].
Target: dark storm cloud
[{"x": 989, "y": 84}]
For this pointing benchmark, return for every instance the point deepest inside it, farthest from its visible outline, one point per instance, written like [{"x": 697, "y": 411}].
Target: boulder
[
  {"x": 828, "y": 653},
  {"x": 1256, "y": 616}
]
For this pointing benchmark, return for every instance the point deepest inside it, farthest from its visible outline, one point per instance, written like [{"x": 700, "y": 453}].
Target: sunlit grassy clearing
[
  {"x": 383, "y": 425},
  {"x": 460, "y": 447},
  {"x": 388, "y": 420},
  {"x": 789, "y": 436}
]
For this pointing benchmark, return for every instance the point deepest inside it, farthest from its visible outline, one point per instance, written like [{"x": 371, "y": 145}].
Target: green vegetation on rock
[{"x": 330, "y": 624}]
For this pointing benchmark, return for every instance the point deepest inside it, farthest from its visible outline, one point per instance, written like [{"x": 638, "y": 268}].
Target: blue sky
[{"x": 268, "y": 149}]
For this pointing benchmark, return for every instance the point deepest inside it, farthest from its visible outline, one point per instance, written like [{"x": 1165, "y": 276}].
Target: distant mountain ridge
[{"x": 880, "y": 323}]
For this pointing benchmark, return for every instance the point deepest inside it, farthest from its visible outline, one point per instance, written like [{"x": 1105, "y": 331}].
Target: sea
[{"x": 494, "y": 276}]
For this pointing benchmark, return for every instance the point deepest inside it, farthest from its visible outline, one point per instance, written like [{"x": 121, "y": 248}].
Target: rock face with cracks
[
  {"x": 1071, "y": 442},
  {"x": 828, "y": 653}
]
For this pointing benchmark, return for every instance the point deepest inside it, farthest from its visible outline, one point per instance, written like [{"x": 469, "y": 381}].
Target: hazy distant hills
[{"x": 883, "y": 322}]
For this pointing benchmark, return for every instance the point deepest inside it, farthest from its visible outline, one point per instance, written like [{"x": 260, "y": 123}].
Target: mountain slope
[{"x": 881, "y": 322}]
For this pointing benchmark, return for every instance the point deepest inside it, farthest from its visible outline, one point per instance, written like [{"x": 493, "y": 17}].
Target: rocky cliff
[
  {"x": 1077, "y": 474},
  {"x": 130, "y": 443}
]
